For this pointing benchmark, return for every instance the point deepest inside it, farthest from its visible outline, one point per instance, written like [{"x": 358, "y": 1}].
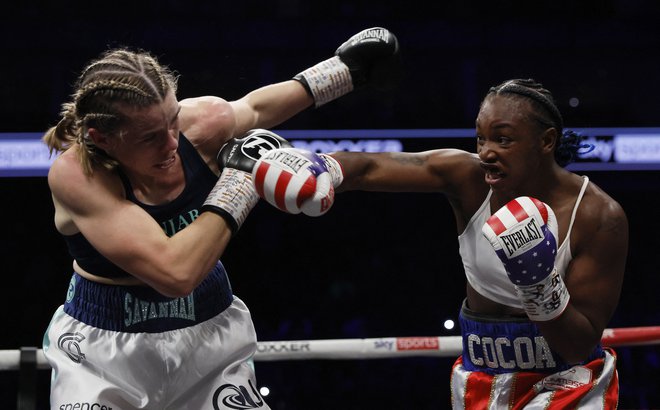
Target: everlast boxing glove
[
  {"x": 523, "y": 233},
  {"x": 234, "y": 195}
]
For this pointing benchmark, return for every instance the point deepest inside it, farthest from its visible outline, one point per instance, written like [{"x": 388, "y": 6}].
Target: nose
[
  {"x": 486, "y": 152},
  {"x": 172, "y": 139}
]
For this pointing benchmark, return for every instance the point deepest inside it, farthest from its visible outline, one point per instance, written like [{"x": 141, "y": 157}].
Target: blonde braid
[{"x": 120, "y": 77}]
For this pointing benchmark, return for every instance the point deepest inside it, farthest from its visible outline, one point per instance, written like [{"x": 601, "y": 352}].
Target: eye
[
  {"x": 504, "y": 140},
  {"x": 150, "y": 137}
]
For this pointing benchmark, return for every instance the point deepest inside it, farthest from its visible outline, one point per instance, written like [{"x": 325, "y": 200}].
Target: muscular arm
[
  {"x": 594, "y": 279},
  {"x": 429, "y": 171},
  {"x": 208, "y": 122},
  {"x": 269, "y": 106},
  {"x": 454, "y": 173},
  {"x": 129, "y": 237}
]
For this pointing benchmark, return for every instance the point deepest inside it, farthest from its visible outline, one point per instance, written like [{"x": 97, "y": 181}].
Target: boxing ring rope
[
  {"x": 368, "y": 348},
  {"x": 28, "y": 360}
]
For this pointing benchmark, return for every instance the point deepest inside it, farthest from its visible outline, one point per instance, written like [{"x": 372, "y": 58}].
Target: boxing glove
[
  {"x": 295, "y": 180},
  {"x": 523, "y": 234},
  {"x": 370, "y": 57},
  {"x": 234, "y": 196}
]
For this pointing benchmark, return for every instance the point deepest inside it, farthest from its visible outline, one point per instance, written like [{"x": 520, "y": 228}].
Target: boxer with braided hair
[
  {"x": 543, "y": 251},
  {"x": 569, "y": 142},
  {"x": 150, "y": 320}
]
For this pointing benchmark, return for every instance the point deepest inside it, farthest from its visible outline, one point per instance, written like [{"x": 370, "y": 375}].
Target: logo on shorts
[
  {"x": 84, "y": 406},
  {"x": 69, "y": 344},
  {"x": 572, "y": 378},
  {"x": 229, "y": 396},
  {"x": 72, "y": 290}
]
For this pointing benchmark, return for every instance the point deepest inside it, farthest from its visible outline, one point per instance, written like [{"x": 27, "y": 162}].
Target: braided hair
[
  {"x": 547, "y": 115},
  {"x": 119, "y": 77}
]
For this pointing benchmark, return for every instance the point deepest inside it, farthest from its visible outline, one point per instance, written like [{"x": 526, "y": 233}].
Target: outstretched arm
[
  {"x": 430, "y": 171},
  {"x": 369, "y": 58},
  {"x": 452, "y": 172},
  {"x": 269, "y": 106}
]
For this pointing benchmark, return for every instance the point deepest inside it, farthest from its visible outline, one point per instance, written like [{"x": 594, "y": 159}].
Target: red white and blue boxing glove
[
  {"x": 234, "y": 196},
  {"x": 524, "y": 234},
  {"x": 295, "y": 180}
]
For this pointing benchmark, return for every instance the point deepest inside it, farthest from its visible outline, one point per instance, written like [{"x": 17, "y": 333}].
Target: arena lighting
[
  {"x": 616, "y": 149},
  {"x": 449, "y": 324},
  {"x": 264, "y": 391}
]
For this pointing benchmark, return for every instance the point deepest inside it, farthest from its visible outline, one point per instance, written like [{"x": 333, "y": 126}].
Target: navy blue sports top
[{"x": 172, "y": 217}]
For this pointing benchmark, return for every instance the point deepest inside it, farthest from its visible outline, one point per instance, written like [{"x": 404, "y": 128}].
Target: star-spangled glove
[{"x": 523, "y": 234}]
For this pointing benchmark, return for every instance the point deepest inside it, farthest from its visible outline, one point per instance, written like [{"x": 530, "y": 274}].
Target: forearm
[
  {"x": 592, "y": 303},
  {"x": 188, "y": 255},
  {"x": 271, "y": 105},
  {"x": 199, "y": 246},
  {"x": 370, "y": 57},
  {"x": 355, "y": 168},
  {"x": 176, "y": 265},
  {"x": 387, "y": 172},
  {"x": 202, "y": 246}
]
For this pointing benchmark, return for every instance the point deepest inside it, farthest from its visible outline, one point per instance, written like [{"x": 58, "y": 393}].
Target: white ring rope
[{"x": 376, "y": 348}]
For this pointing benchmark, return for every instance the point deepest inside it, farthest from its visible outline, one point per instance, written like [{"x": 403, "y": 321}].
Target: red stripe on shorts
[
  {"x": 523, "y": 391},
  {"x": 477, "y": 390}
]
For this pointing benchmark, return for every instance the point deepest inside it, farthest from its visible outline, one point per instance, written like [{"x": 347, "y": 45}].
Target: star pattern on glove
[
  {"x": 523, "y": 233},
  {"x": 520, "y": 261}
]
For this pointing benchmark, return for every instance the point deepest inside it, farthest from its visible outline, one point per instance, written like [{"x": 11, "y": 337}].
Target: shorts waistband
[
  {"x": 508, "y": 345},
  {"x": 135, "y": 309}
]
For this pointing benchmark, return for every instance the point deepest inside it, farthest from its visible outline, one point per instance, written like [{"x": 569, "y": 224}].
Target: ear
[
  {"x": 549, "y": 140},
  {"x": 100, "y": 139}
]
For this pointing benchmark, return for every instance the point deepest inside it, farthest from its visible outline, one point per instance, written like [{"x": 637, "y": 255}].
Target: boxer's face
[
  {"x": 148, "y": 144},
  {"x": 508, "y": 143}
]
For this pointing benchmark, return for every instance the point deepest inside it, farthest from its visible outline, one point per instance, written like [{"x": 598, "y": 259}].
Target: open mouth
[
  {"x": 166, "y": 164},
  {"x": 492, "y": 173}
]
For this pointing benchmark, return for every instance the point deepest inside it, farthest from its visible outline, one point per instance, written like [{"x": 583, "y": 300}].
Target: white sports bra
[{"x": 484, "y": 270}]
